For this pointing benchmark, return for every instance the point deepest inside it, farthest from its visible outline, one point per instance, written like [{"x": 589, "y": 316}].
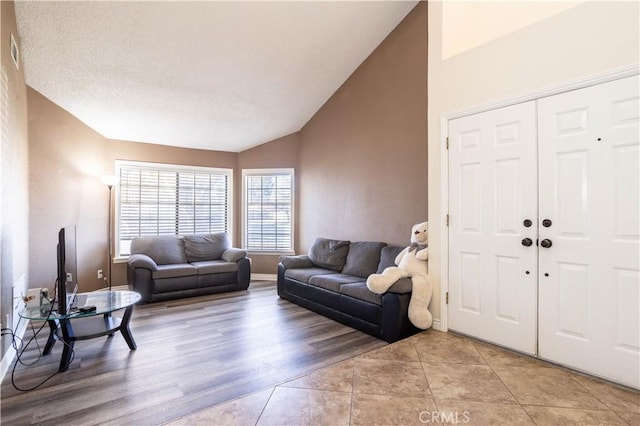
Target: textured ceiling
[{"x": 213, "y": 75}]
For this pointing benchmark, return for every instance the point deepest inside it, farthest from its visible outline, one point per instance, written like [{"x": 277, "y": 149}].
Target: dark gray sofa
[
  {"x": 331, "y": 280},
  {"x": 169, "y": 267}
]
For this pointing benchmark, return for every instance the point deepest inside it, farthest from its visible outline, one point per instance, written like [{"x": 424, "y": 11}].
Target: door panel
[
  {"x": 492, "y": 179},
  {"x": 589, "y": 285},
  {"x": 572, "y": 197}
]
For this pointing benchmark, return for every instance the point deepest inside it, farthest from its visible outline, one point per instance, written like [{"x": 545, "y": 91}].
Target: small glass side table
[{"x": 87, "y": 325}]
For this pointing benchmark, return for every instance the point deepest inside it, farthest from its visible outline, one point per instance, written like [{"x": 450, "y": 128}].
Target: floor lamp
[{"x": 110, "y": 181}]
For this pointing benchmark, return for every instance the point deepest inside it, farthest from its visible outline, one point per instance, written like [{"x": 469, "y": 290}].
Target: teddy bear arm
[
  {"x": 423, "y": 254},
  {"x": 400, "y": 255}
]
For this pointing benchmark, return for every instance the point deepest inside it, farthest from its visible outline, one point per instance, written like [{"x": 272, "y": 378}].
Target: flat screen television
[{"x": 67, "y": 285}]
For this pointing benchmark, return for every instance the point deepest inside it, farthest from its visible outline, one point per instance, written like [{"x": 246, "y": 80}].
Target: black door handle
[
  {"x": 546, "y": 243},
  {"x": 527, "y": 242}
]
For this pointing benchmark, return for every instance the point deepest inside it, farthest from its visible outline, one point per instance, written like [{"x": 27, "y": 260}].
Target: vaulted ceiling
[{"x": 212, "y": 75}]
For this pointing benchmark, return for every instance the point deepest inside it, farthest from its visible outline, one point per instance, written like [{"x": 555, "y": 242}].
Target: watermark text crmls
[{"x": 445, "y": 417}]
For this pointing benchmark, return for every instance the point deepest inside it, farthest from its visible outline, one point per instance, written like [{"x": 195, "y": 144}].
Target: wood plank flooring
[{"x": 192, "y": 354}]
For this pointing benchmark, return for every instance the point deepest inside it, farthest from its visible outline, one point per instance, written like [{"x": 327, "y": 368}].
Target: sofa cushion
[
  {"x": 303, "y": 275},
  {"x": 363, "y": 258},
  {"x": 163, "y": 249},
  {"x": 174, "y": 271},
  {"x": 388, "y": 256},
  {"x": 215, "y": 267},
  {"x": 203, "y": 247},
  {"x": 360, "y": 291},
  {"x": 333, "y": 281},
  {"x": 329, "y": 254}
]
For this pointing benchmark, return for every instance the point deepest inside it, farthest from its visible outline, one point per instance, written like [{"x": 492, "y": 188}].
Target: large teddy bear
[{"x": 412, "y": 262}]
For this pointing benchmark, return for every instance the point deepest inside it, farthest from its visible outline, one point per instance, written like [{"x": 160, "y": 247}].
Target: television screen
[{"x": 67, "y": 270}]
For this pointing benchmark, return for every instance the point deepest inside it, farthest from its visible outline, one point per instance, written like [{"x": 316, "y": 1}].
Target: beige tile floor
[{"x": 433, "y": 378}]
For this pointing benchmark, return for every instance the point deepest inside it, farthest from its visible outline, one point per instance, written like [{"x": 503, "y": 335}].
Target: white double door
[{"x": 544, "y": 231}]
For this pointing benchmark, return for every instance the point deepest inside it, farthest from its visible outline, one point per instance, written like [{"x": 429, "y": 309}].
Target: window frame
[
  {"x": 172, "y": 167},
  {"x": 245, "y": 205}
]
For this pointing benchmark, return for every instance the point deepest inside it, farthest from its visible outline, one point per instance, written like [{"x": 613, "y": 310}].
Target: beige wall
[
  {"x": 66, "y": 160},
  {"x": 14, "y": 207},
  {"x": 363, "y": 157},
  {"x": 591, "y": 38},
  {"x": 466, "y": 25}
]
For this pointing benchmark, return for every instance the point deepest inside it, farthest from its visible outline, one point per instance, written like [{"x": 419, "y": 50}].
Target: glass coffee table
[{"x": 87, "y": 325}]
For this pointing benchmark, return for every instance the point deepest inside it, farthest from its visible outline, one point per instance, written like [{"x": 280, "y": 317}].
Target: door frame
[{"x": 592, "y": 80}]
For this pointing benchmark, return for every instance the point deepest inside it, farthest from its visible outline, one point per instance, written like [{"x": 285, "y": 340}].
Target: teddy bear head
[{"x": 420, "y": 233}]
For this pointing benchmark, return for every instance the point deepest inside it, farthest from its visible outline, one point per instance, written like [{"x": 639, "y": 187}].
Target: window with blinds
[
  {"x": 158, "y": 199},
  {"x": 268, "y": 210}
]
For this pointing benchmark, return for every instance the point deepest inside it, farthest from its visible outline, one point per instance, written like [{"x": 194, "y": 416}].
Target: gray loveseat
[
  {"x": 331, "y": 280},
  {"x": 169, "y": 267}
]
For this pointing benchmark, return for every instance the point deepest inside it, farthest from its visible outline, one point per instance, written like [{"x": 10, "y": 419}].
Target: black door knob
[
  {"x": 546, "y": 223},
  {"x": 546, "y": 243},
  {"x": 527, "y": 223},
  {"x": 527, "y": 242}
]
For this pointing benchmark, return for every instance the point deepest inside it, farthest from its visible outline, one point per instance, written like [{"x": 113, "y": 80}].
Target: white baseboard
[
  {"x": 10, "y": 356},
  {"x": 436, "y": 324},
  {"x": 264, "y": 277}
]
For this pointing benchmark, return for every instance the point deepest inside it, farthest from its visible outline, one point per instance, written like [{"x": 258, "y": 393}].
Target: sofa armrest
[
  {"x": 142, "y": 261},
  {"x": 402, "y": 286},
  {"x": 139, "y": 270},
  {"x": 244, "y": 273},
  {"x": 295, "y": 262},
  {"x": 233, "y": 254},
  {"x": 395, "y": 323}
]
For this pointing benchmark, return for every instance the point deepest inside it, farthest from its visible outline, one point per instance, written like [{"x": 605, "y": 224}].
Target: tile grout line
[
  {"x": 596, "y": 397},
  {"x": 353, "y": 387},
  {"x": 265, "y": 406},
  {"x": 425, "y": 377},
  {"x": 515, "y": 398},
  {"x": 569, "y": 372}
]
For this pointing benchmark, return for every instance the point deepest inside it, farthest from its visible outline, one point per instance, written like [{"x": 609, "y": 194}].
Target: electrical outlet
[{"x": 99, "y": 274}]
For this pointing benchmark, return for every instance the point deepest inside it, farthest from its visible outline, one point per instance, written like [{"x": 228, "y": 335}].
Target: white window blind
[
  {"x": 156, "y": 199},
  {"x": 268, "y": 210}
]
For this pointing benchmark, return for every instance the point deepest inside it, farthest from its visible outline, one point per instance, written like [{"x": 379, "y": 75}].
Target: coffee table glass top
[{"x": 104, "y": 301}]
